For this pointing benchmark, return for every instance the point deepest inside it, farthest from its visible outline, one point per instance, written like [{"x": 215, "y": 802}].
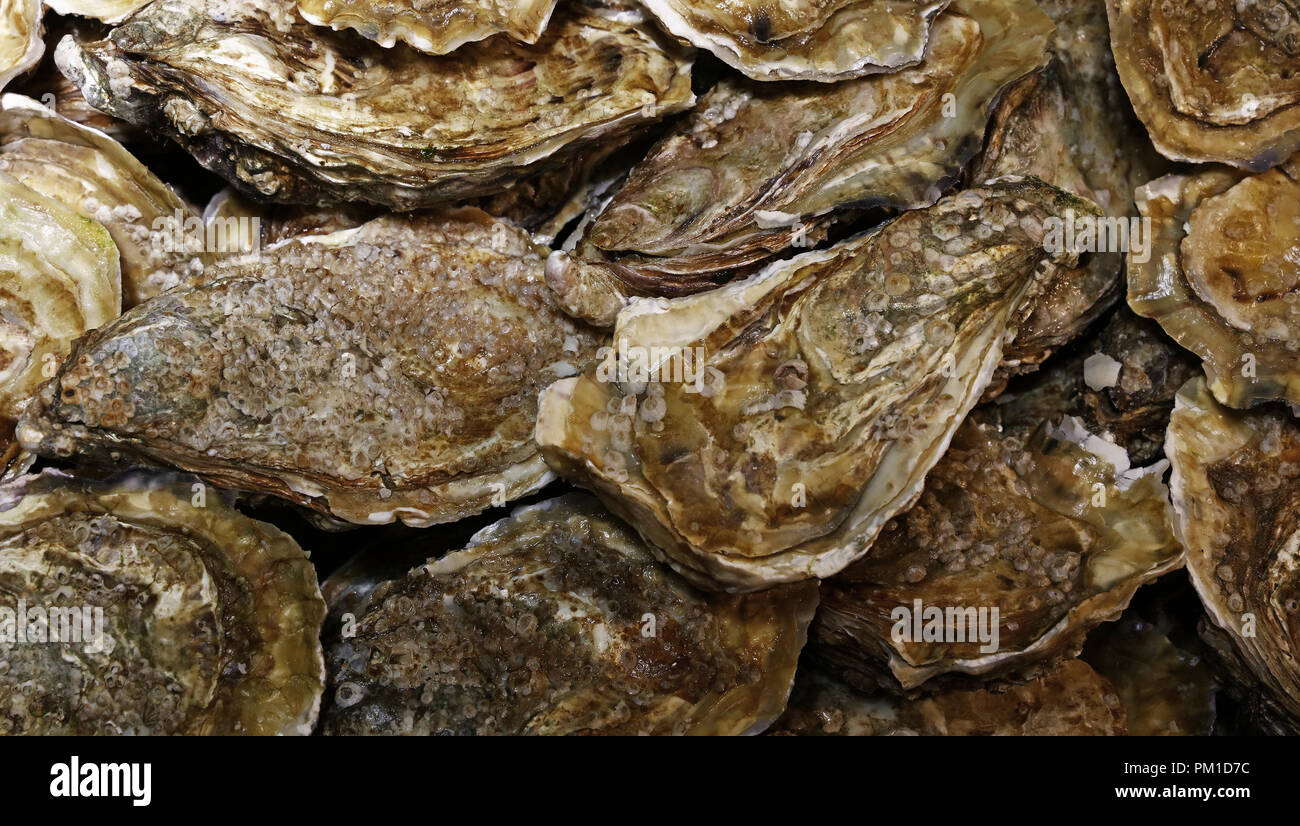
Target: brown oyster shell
[
  {"x": 759, "y": 168},
  {"x": 1071, "y": 701},
  {"x": 558, "y": 620},
  {"x": 793, "y": 413},
  {"x": 21, "y": 45},
  {"x": 1220, "y": 280},
  {"x": 1235, "y": 486},
  {"x": 1213, "y": 80},
  {"x": 804, "y": 39},
  {"x": 211, "y": 620},
  {"x": 385, "y": 372},
  {"x": 317, "y": 117},
  {"x": 433, "y": 26}
]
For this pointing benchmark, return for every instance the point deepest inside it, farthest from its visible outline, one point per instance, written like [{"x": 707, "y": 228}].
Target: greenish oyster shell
[
  {"x": 21, "y": 44},
  {"x": 433, "y": 26},
  {"x": 159, "y": 609},
  {"x": 765, "y": 431},
  {"x": 1073, "y": 700},
  {"x": 1213, "y": 81},
  {"x": 1221, "y": 280},
  {"x": 93, "y": 175},
  {"x": 557, "y": 620},
  {"x": 805, "y": 39},
  {"x": 293, "y": 113},
  {"x": 385, "y": 372},
  {"x": 1236, "y": 492},
  {"x": 1026, "y": 537},
  {"x": 760, "y": 168}
]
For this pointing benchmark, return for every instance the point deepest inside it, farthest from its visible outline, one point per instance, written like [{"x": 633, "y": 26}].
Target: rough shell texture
[
  {"x": 93, "y": 175},
  {"x": 759, "y": 168},
  {"x": 1215, "y": 80},
  {"x": 1222, "y": 280},
  {"x": 557, "y": 620},
  {"x": 765, "y": 431},
  {"x": 1236, "y": 490},
  {"x": 823, "y": 40},
  {"x": 1043, "y": 532},
  {"x": 294, "y": 113},
  {"x": 1073, "y": 700},
  {"x": 21, "y": 45},
  {"x": 200, "y": 620},
  {"x": 386, "y": 372},
  {"x": 433, "y": 26}
]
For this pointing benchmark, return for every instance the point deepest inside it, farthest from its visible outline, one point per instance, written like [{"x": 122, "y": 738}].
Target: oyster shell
[
  {"x": 1073, "y": 700},
  {"x": 194, "y": 619},
  {"x": 109, "y": 11},
  {"x": 804, "y": 39},
  {"x": 1235, "y": 484},
  {"x": 385, "y": 372},
  {"x": 759, "y": 168},
  {"x": 557, "y": 620},
  {"x": 765, "y": 431},
  {"x": 293, "y": 113},
  {"x": 433, "y": 26},
  {"x": 1024, "y": 539},
  {"x": 1214, "y": 80},
  {"x": 92, "y": 174},
  {"x": 21, "y": 45},
  {"x": 1221, "y": 279}
]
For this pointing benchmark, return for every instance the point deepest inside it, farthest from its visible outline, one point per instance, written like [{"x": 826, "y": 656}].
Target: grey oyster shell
[
  {"x": 385, "y": 372},
  {"x": 292, "y": 113},
  {"x": 1213, "y": 80},
  {"x": 21, "y": 45},
  {"x": 433, "y": 26},
  {"x": 760, "y": 168},
  {"x": 804, "y": 39},
  {"x": 557, "y": 620},
  {"x": 1073, "y": 700},
  {"x": 1222, "y": 280},
  {"x": 1236, "y": 492},
  {"x": 765, "y": 431},
  {"x": 194, "y": 619}
]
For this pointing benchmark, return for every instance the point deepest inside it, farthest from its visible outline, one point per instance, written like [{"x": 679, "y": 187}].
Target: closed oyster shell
[
  {"x": 1221, "y": 279},
  {"x": 1236, "y": 491},
  {"x": 1043, "y": 532},
  {"x": 765, "y": 431},
  {"x": 804, "y": 39},
  {"x": 210, "y": 620},
  {"x": 558, "y": 620},
  {"x": 385, "y": 372},
  {"x": 1214, "y": 81},
  {"x": 21, "y": 45},
  {"x": 760, "y": 168},
  {"x": 1072, "y": 700},
  {"x": 293, "y": 113},
  {"x": 433, "y": 26},
  {"x": 92, "y": 174}
]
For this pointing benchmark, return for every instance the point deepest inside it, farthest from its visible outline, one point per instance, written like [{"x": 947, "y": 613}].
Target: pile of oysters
[{"x": 650, "y": 367}]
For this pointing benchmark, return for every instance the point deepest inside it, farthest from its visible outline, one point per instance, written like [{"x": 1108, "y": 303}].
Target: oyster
[
  {"x": 21, "y": 45},
  {"x": 804, "y": 39},
  {"x": 164, "y": 610},
  {"x": 292, "y": 113},
  {"x": 95, "y": 176},
  {"x": 765, "y": 431},
  {"x": 385, "y": 372},
  {"x": 1214, "y": 80},
  {"x": 759, "y": 168},
  {"x": 109, "y": 11},
  {"x": 1222, "y": 279},
  {"x": 1236, "y": 491},
  {"x": 1025, "y": 538},
  {"x": 433, "y": 26},
  {"x": 1073, "y": 700},
  {"x": 557, "y": 620}
]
